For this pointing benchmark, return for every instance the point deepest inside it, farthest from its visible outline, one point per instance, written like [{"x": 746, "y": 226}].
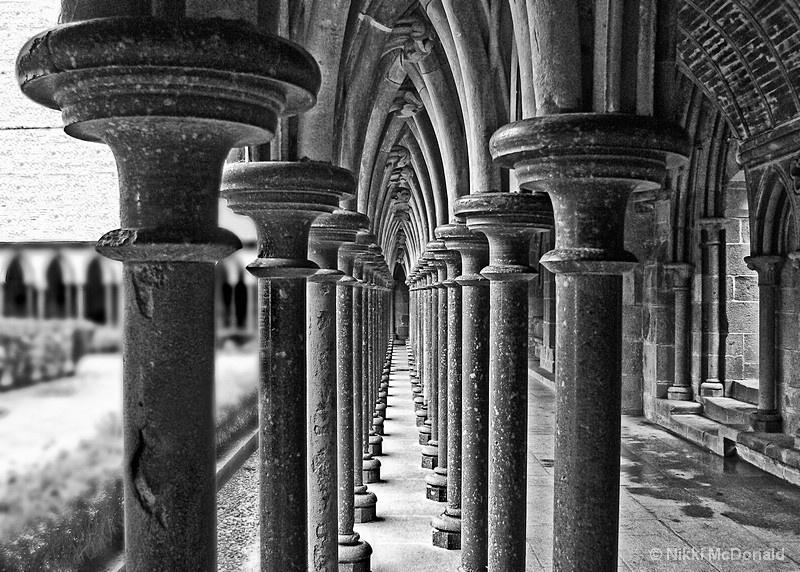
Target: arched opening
[
  {"x": 240, "y": 302},
  {"x": 95, "y": 294},
  {"x": 16, "y": 295},
  {"x": 57, "y": 293},
  {"x": 224, "y": 297},
  {"x": 400, "y": 303},
  {"x": 740, "y": 327}
]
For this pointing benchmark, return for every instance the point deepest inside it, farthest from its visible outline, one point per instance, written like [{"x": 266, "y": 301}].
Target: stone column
[
  {"x": 327, "y": 234},
  {"x": 474, "y": 250},
  {"x": 41, "y": 302},
  {"x": 80, "y": 301},
  {"x": 170, "y": 119},
  {"x": 766, "y": 419},
  {"x": 713, "y": 249},
  {"x": 547, "y": 360},
  {"x": 508, "y": 220},
  {"x": 364, "y": 500},
  {"x": 251, "y": 321},
  {"x": 589, "y": 164},
  {"x": 447, "y": 526},
  {"x": 418, "y": 379},
  {"x": 430, "y": 354},
  {"x": 437, "y": 481},
  {"x": 330, "y": 237},
  {"x": 108, "y": 302},
  {"x": 371, "y": 466},
  {"x": 424, "y": 350},
  {"x": 438, "y": 309},
  {"x": 679, "y": 274},
  {"x": 283, "y": 199}
]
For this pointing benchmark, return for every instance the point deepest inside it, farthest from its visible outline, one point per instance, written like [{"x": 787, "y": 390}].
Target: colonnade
[
  {"x": 323, "y": 286},
  {"x": 171, "y": 109}
]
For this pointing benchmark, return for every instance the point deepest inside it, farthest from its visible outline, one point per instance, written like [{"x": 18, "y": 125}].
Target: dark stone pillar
[
  {"x": 170, "y": 145},
  {"x": 712, "y": 250},
  {"x": 588, "y": 164},
  {"x": 474, "y": 250},
  {"x": 447, "y": 526},
  {"x": 508, "y": 220},
  {"x": 283, "y": 199},
  {"x": 426, "y": 353},
  {"x": 334, "y": 235},
  {"x": 327, "y": 430},
  {"x": 438, "y": 300},
  {"x": 437, "y": 481},
  {"x": 371, "y": 466},
  {"x": 681, "y": 388},
  {"x": 364, "y": 499},
  {"x": 767, "y": 419}
]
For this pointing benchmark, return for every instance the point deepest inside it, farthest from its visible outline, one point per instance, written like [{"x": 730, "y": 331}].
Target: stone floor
[{"x": 681, "y": 508}]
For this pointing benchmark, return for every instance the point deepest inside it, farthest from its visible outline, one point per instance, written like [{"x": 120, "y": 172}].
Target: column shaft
[
  {"x": 282, "y": 442},
  {"x": 170, "y": 490},
  {"x": 344, "y": 359},
  {"x": 322, "y": 425},
  {"x": 475, "y": 425},
  {"x": 586, "y": 502}
]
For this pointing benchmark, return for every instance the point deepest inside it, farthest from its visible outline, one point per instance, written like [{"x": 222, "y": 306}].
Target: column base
[
  {"x": 436, "y": 485},
  {"x": 424, "y": 434},
  {"x": 377, "y": 425},
  {"x": 711, "y": 389},
  {"x": 680, "y": 393},
  {"x": 375, "y": 445},
  {"x": 354, "y": 555},
  {"x": 364, "y": 506},
  {"x": 430, "y": 455},
  {"x": 371, "y": 470},
  {"x": 421, "y": 413},
  {"x": 766, "y": 422},
  {"x": 447, "y": 531}
]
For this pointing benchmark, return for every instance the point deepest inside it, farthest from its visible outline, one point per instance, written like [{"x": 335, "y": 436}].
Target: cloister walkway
[{"x": 681, "y": 508}]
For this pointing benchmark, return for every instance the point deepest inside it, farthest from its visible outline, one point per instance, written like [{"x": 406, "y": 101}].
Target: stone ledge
[
  {"x": 542, "y": 375},
  {"x": 774, "y": 453},
  {"x": 728, "y": 411}
]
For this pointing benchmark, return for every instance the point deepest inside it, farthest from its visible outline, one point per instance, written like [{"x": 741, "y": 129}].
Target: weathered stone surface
[
  {"x": 589, "y": 165},
  {"x": 284, "y": 199}
]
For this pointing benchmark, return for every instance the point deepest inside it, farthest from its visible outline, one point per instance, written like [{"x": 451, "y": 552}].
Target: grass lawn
[{"x": 61, "y": 456}]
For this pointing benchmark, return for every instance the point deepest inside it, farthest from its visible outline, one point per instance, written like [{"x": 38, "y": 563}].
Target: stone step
[
  {"x": 728, "y": 411},
  {"x": 701, "y": 431},
  {"x": 745, "y": 390}
]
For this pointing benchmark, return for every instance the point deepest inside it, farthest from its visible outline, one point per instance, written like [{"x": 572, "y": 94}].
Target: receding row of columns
[
  {"x": 323, "y": 285},
  {"x": 486, "y": 468},
  {"x": 171, "y": 114}
]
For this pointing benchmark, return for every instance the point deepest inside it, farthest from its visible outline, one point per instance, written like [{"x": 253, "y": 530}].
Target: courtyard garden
[{"x": 61, "y": 460}]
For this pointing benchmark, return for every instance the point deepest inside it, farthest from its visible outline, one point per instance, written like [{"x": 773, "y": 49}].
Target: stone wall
[
  {"x": 788, "y": 342},
  {"x": 741, "y": 290}
]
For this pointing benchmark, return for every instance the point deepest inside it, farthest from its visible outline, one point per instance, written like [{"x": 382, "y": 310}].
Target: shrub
[
  {"x": 106, "y": 340},
  {"x": 33, "y": 350},
  {"x": 40, "y": 532}
]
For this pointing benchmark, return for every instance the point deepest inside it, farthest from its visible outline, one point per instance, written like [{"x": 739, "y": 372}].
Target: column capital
[
  {"x": 712, "y": 223},
  {"x": 103, "y": 88},
  {"x": 451, "y": 257},
  {"x": 508, "y": 220},
  {"x": 283, "y": 199},
  {"x": 473, "y": 249},
  {"x": 768, "y": 267},
  {"x": 589, "y": 164},
  {"x": 329, "y": 232},
  {"x": 679, "y": 274}
]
